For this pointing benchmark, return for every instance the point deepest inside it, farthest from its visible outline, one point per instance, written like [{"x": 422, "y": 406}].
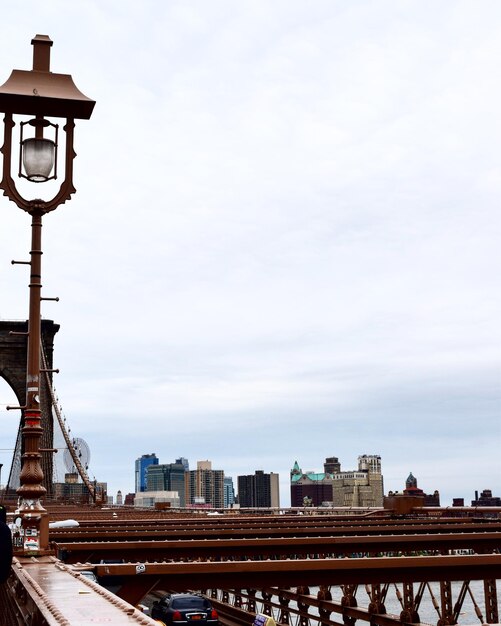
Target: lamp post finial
[{"x": 41, "y": 53}]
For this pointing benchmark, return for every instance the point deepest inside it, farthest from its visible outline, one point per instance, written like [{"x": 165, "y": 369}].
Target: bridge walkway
[{"x": 45, "y": 592}]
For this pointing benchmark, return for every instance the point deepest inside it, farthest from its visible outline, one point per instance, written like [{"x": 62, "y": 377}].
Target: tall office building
[
  {"x": 259, "y": 490},
  {"x": 229, "y": 492},
  {"x": 141, "y": 467},
  {"x": 205, "y": 486},
  {"x": 167, "y": 477}
]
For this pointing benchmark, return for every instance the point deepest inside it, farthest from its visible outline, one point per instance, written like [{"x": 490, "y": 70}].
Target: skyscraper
[
  {"x": 259, "y": 490},
  {"x": 205, "y": 485},
  {"x": 167, "y": 477},
  {"x": 229, "y": 492},
  {"x": 141, "y": 466}
]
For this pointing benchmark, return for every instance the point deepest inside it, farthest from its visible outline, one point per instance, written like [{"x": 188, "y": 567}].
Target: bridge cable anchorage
[{"x": 54, "y": 401}]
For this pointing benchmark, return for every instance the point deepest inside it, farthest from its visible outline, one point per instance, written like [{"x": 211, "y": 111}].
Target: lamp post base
[{"x": 30, "y": 537}]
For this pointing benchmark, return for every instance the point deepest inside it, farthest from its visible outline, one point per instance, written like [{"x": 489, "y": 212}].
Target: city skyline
[
  {"x": 328, "y": 461},
  {"x": 285, "y": 236}
]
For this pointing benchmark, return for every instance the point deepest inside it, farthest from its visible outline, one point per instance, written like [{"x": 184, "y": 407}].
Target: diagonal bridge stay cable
[{"x": 81, "y": 470}]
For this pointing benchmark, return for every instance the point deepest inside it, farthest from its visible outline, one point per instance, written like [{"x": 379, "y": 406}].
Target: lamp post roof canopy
[{"x": 41, "y": 92}]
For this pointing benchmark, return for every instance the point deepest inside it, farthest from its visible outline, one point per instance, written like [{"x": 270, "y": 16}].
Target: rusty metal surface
[
  {"x": 381, "y": 605},
  {"x": 192, "y": 549},
  {"x": 288, "y": 573},
  {"x": 293, "y": 527},
  {"x": 263, "y": 554},
  {"x": 45, "y": 591}
]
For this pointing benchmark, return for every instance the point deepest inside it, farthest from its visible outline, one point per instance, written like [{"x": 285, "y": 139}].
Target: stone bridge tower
[{"x": 13, "y": 361}]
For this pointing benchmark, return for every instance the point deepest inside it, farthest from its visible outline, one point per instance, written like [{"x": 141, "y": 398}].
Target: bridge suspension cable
[{"x": 62, "y": 425}]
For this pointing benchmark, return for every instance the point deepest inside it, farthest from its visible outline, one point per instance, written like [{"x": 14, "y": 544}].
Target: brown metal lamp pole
[
  {"x": 41, "y": 94},
  {"x": 31, "y": 476}
]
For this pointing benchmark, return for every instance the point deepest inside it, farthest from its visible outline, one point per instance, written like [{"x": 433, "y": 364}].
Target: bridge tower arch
[{"x": 13, "y": 363}]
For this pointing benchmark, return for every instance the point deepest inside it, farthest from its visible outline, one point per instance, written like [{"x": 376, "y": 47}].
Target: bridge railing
[{"x": 445, "y": 602}]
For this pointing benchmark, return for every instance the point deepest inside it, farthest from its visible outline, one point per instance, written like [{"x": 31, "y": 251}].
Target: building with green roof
[{"x": 332, "y": 487}]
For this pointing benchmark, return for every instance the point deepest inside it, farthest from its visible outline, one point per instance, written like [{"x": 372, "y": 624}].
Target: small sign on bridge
[{"x": 263, "y": 620}]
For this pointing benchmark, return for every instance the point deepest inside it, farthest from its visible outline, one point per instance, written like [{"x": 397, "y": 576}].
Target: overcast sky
[{"x": 286, "y": 239}]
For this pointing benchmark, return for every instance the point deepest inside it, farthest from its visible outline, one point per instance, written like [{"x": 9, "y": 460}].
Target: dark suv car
[{"x": 185, "y": 608}]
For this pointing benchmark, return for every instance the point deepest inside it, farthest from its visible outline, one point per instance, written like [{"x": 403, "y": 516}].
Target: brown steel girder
[
  {"x": 274, "y": 573},
  {"x": 274, "y": 547}
]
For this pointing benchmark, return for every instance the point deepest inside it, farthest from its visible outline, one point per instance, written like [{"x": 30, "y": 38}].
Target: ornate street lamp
[{"x": 37, "y": 94}]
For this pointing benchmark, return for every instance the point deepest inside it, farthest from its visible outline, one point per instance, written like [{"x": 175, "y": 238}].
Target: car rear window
[{"x": 191, "y": 602}]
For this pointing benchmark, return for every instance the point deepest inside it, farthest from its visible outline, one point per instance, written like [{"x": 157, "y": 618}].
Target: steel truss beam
[
  {"x": 302, "y": 547},
  {"x": 289, "y": 573}
]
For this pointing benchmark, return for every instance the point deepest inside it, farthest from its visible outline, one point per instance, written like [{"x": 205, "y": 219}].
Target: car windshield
[{"x": 190, "y": 602}]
